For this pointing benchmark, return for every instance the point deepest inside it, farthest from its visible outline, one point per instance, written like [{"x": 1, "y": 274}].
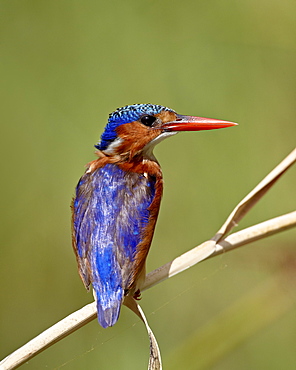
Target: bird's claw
[{"x": 137, "y": 295}]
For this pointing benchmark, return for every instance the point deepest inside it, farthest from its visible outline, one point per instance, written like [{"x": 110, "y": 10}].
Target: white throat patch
[{"x": 148, "y": 149}]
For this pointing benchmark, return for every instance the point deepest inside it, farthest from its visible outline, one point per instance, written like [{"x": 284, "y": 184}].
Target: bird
[{"x": 117, "y": 200}]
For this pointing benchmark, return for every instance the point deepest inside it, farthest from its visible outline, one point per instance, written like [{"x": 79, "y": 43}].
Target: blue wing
[{"x": 110, "y": 214}]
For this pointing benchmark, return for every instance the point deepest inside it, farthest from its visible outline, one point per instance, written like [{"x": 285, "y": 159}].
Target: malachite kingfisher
[{"x": 117, "y": 200}]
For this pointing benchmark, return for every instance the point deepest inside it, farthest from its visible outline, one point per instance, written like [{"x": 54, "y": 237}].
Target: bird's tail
[{"x": 108, "y": 307}]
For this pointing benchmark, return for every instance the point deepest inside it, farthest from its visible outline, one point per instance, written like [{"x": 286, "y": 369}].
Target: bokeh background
[{"x": 65, "y": 65}]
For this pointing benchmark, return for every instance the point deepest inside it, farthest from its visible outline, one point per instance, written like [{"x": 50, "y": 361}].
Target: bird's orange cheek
[{"x": 135, "y": 136}]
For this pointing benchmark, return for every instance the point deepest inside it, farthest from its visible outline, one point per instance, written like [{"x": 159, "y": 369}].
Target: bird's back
[{"x": 112, "y": 212}]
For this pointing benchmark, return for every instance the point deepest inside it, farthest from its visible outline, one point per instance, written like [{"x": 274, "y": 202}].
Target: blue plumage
[
  {"x": 111, "y": 210},
  {"x": 123, "y": 115}
]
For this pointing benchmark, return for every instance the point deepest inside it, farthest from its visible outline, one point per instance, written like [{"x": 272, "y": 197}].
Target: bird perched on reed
[{"x": 117, "y": 200}]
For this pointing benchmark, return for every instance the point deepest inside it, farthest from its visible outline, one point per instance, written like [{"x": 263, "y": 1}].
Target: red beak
[{"x": 191, "y": 123}]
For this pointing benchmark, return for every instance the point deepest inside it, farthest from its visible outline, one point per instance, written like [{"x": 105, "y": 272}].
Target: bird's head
[{"x": 136, "y": 129}]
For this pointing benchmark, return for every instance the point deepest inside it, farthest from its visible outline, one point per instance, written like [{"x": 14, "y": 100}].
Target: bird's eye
[{"x": 148, "y": 120}]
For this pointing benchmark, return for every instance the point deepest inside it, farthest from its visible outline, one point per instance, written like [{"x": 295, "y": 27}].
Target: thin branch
[
  {"x": 86, "y": 314},
  {"x": 256, "y": 232},
  {"x": 50, "y": 336},
  {"x": 255, "y": 195},
  {"x": 154, "y": 357},
  {"x": 233, "y": 241}
]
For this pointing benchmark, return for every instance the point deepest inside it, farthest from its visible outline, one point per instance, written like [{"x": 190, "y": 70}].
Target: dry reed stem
[{"x": 217, "y": 245}]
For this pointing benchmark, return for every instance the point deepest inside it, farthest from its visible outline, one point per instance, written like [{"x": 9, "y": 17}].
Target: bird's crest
[{"x": 127, "y": 114}]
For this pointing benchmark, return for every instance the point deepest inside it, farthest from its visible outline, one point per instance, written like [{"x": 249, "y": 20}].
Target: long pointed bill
[{"x": 191, "y": 123}]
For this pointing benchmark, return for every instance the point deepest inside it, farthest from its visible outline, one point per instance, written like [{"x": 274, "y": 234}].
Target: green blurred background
[{"x": 65, "y": 66}]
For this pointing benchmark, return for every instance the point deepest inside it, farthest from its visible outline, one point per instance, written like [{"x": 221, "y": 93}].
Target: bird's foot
[{"x": 137, "y": 295}]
